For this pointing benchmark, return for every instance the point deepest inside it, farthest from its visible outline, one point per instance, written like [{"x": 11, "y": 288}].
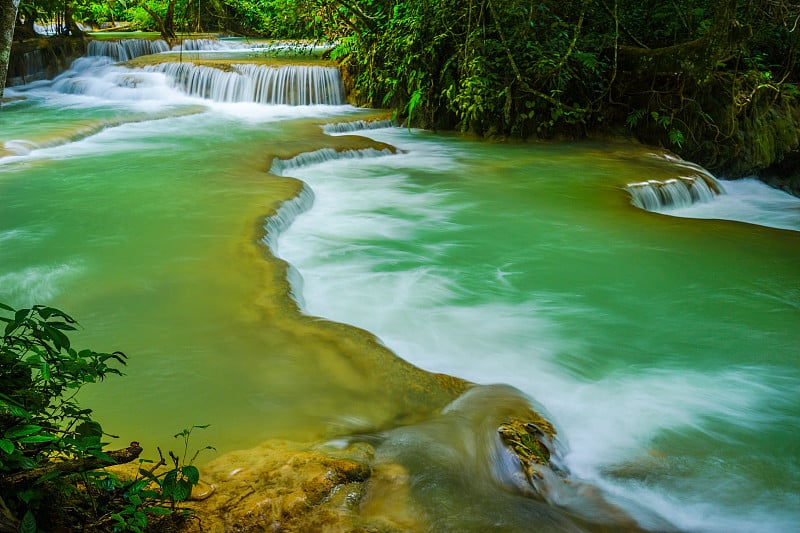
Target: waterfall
[
  {"x": 30, "y": 67},
  {"x": 126, "y": 49},
  {"x": 196, "y": 45},
  {"x": 357, "y": 125},
  {"x": 654, "y": 195},
  {"x": 287, "y": 85},
  {"x": 280, "y": 166},
  {"x": 277, "y": 223}
]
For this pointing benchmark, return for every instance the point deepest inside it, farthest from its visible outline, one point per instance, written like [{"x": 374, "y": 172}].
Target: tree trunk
[
  {"x": 8, "y": 16},
  {"x": 166, "y": 25}
]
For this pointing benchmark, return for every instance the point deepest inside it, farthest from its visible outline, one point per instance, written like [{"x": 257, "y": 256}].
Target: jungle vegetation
[
  {"x": 52, "y": 450},
  {"x": 717, "y": 81}
]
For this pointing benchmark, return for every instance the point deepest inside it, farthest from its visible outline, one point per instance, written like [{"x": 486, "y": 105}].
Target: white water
[
  {"x": 703, "y": 196},
  {"x": 748, "y": 200},
  {"x": 253, "y": 92},
  {"x": 126, "y": 49},
  {"x": 656, "y": 195},
  {"x": 417, "y": 307},
  {"x": 287, "y": 85}
]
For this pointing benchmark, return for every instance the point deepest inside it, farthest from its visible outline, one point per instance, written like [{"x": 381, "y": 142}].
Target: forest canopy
[{"x": 715, "y": 80}]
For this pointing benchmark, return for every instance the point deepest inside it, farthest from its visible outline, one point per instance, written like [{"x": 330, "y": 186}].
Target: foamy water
[
  {"x": 749, "y": 200},
  {"x": 372, "y": 252}
]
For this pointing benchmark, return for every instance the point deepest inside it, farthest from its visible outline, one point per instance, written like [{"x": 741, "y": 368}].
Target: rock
[{"x": 282, "y": 486}]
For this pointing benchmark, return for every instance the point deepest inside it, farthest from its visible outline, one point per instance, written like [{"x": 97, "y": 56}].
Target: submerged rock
[
  {"x": 282, "y": 486},
  {"x": 488, "y": 461}
]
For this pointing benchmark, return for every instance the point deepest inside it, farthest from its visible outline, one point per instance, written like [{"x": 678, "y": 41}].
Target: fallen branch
[{"x": 28, "y": 477}]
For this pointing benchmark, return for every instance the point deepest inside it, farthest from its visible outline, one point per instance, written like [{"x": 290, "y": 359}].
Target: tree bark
[
  {"x": 166, "y": 25},
  {"x": 8, "y": 17}
]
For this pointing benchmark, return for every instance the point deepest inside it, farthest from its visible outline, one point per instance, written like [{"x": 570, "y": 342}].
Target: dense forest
[{"x": 714, "y": 80}]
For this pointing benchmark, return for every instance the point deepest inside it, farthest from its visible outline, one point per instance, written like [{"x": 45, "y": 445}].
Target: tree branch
[{"x": 27, "y": 477}]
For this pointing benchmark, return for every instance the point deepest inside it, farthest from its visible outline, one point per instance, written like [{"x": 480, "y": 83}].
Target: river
[{"x": 662, "y": 344}]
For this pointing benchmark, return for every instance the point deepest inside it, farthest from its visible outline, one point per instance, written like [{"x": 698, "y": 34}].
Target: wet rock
[
  {"x": 530, "y": 442},
  {"x": 281, "y": 486}
]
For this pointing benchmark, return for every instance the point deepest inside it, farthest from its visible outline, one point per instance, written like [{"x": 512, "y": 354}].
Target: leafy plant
[
  {"x": 51, "y": 448},
  {"x": 156, "y": 491},
  {"x": 40, "y": 419}
]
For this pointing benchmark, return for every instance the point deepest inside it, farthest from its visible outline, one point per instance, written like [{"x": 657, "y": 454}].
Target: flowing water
[{"x": 662, "y": 344}]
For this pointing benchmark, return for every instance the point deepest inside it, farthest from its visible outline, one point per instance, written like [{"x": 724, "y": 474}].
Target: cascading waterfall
[
  {"x": 357, "y": 125},
  {"x": 281, "y": 166},
  {"x": 287, "y": 85},
  {"x": 196, "y": 45},
  {"x": 126, "y": 49},
  {"x": 30, "y": 68},
  {"x": 277, "y": 224},
  {"x": 291, "y": 209},
  {"x": 654, "y": 195},
  {"x": 285, "y": 215}
]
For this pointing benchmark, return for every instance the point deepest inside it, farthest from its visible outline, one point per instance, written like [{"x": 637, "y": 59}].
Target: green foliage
[
  {"x": 155, "y": 492},
  {"x": 40, "y": 374},
  {"x": 496, "y": 67},
  {"x": 546, "y": 68},
  {"x": 41, "y": 424},
  {"x": 278, "y": 19}
]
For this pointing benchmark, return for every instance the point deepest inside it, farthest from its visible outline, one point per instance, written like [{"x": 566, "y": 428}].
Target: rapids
[{"x": 661, "y": 340}]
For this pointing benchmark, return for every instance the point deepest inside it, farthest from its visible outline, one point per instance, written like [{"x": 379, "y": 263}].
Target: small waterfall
[
  {"x": 287, "y": 85},
  {"x": 285, "y": 215},
  {"x": 277, "y": 223},
  {"x": 281, "y": 166},
  {"x": 126, "y": 49},
  {"x": 357, "y": 125},
  {"x": 197, "y": 45},
  {"x": 30, "y": 67},
  {"x": 654, "y": 195}
]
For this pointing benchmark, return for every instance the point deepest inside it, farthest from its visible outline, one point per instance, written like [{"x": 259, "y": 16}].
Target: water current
[{"x": 662, "y": 343}]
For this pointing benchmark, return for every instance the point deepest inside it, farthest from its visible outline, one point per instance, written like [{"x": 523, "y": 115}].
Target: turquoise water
[{"x": 663, "y": 348}]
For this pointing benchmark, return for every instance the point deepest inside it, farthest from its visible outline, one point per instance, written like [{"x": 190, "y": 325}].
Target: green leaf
[
  {"x": 89, "y": 428},
  {"x": 168, "y": 484},
  {"x": 182, "y": 491},
  {"x": 22, "y": 431},
  {"x": 49, "y": 476},
  {"x": 192, "y": 473},
  {"x": 149, "y": 475},
  {"x": 28, "y": 524},
  {"x": 37, "y": 439},
  {"x": 7, "y": 446},
  {"x": 100, "y": 454},
  {"x": 20, "y": 315}
]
